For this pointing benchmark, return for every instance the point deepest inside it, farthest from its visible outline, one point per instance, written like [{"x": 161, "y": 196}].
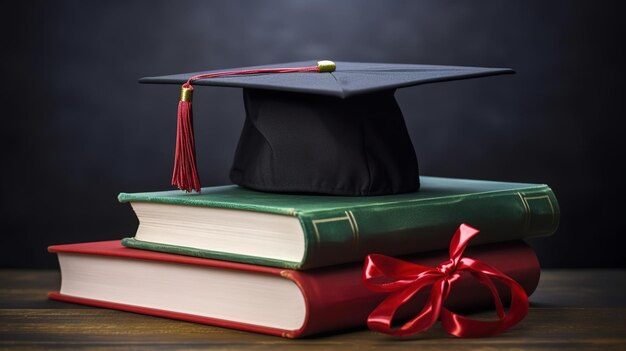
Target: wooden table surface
[{"x": 571, "y": 309}]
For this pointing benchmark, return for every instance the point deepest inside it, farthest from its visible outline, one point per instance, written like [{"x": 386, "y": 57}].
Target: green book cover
[{"x": 339, "y": 229}]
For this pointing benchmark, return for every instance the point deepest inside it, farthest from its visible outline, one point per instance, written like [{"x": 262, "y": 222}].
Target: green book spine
[{"x": 346, "y": 229}]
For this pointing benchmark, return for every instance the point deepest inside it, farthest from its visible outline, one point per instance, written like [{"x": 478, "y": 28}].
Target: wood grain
[{"x": 29, "y": 321}]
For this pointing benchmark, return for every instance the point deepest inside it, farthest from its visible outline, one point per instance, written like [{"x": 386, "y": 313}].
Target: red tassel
[{"x": 185, "y": 175}]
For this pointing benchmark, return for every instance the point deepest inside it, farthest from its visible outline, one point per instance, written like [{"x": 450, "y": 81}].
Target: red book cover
[{"x": 335, "y": 297}]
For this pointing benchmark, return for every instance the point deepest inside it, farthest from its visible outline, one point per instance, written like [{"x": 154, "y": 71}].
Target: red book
[{"x": 261, "y": 299}]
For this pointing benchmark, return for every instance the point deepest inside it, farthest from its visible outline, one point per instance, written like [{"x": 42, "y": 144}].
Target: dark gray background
[{"x": 77, "y": 128}]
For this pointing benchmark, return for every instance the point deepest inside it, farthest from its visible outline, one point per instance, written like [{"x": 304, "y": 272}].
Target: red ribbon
[{"x": 404, "y": 279}]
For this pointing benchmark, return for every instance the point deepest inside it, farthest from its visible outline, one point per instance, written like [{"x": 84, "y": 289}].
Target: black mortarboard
[{"x": 326, "y": 128}]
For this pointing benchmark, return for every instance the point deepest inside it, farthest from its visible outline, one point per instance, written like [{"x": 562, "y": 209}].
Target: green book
[{"x": 306, "y": 231}]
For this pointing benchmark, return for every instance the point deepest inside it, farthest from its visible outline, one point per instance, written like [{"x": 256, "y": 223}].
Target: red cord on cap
[{"x": 185, "y": 175}]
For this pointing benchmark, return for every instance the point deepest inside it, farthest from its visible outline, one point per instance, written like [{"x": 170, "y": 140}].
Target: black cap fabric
[
  {"x": 348, "y": 79},
  {"x": 335, "y": 133}
]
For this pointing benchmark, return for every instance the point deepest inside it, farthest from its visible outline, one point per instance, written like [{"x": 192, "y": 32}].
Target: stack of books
[{"x": 291, "y": 265}]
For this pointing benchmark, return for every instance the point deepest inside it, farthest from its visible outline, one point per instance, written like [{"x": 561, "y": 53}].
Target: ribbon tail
[
  {"x": 381, "y": 318},
  {"x": 430, "y": 312},
  {"x": 460, "y": 240},
  {"x": 461, "y": 326}
]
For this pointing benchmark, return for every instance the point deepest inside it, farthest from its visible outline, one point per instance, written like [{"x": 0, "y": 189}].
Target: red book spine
[{"x": 335, "y": 297}]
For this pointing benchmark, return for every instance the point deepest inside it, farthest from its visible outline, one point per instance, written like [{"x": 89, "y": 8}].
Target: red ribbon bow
[{"x": 404, "y": 279}]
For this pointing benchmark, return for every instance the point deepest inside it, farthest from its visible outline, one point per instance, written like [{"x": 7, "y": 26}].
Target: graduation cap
[{"x": 316, "y": 127}]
